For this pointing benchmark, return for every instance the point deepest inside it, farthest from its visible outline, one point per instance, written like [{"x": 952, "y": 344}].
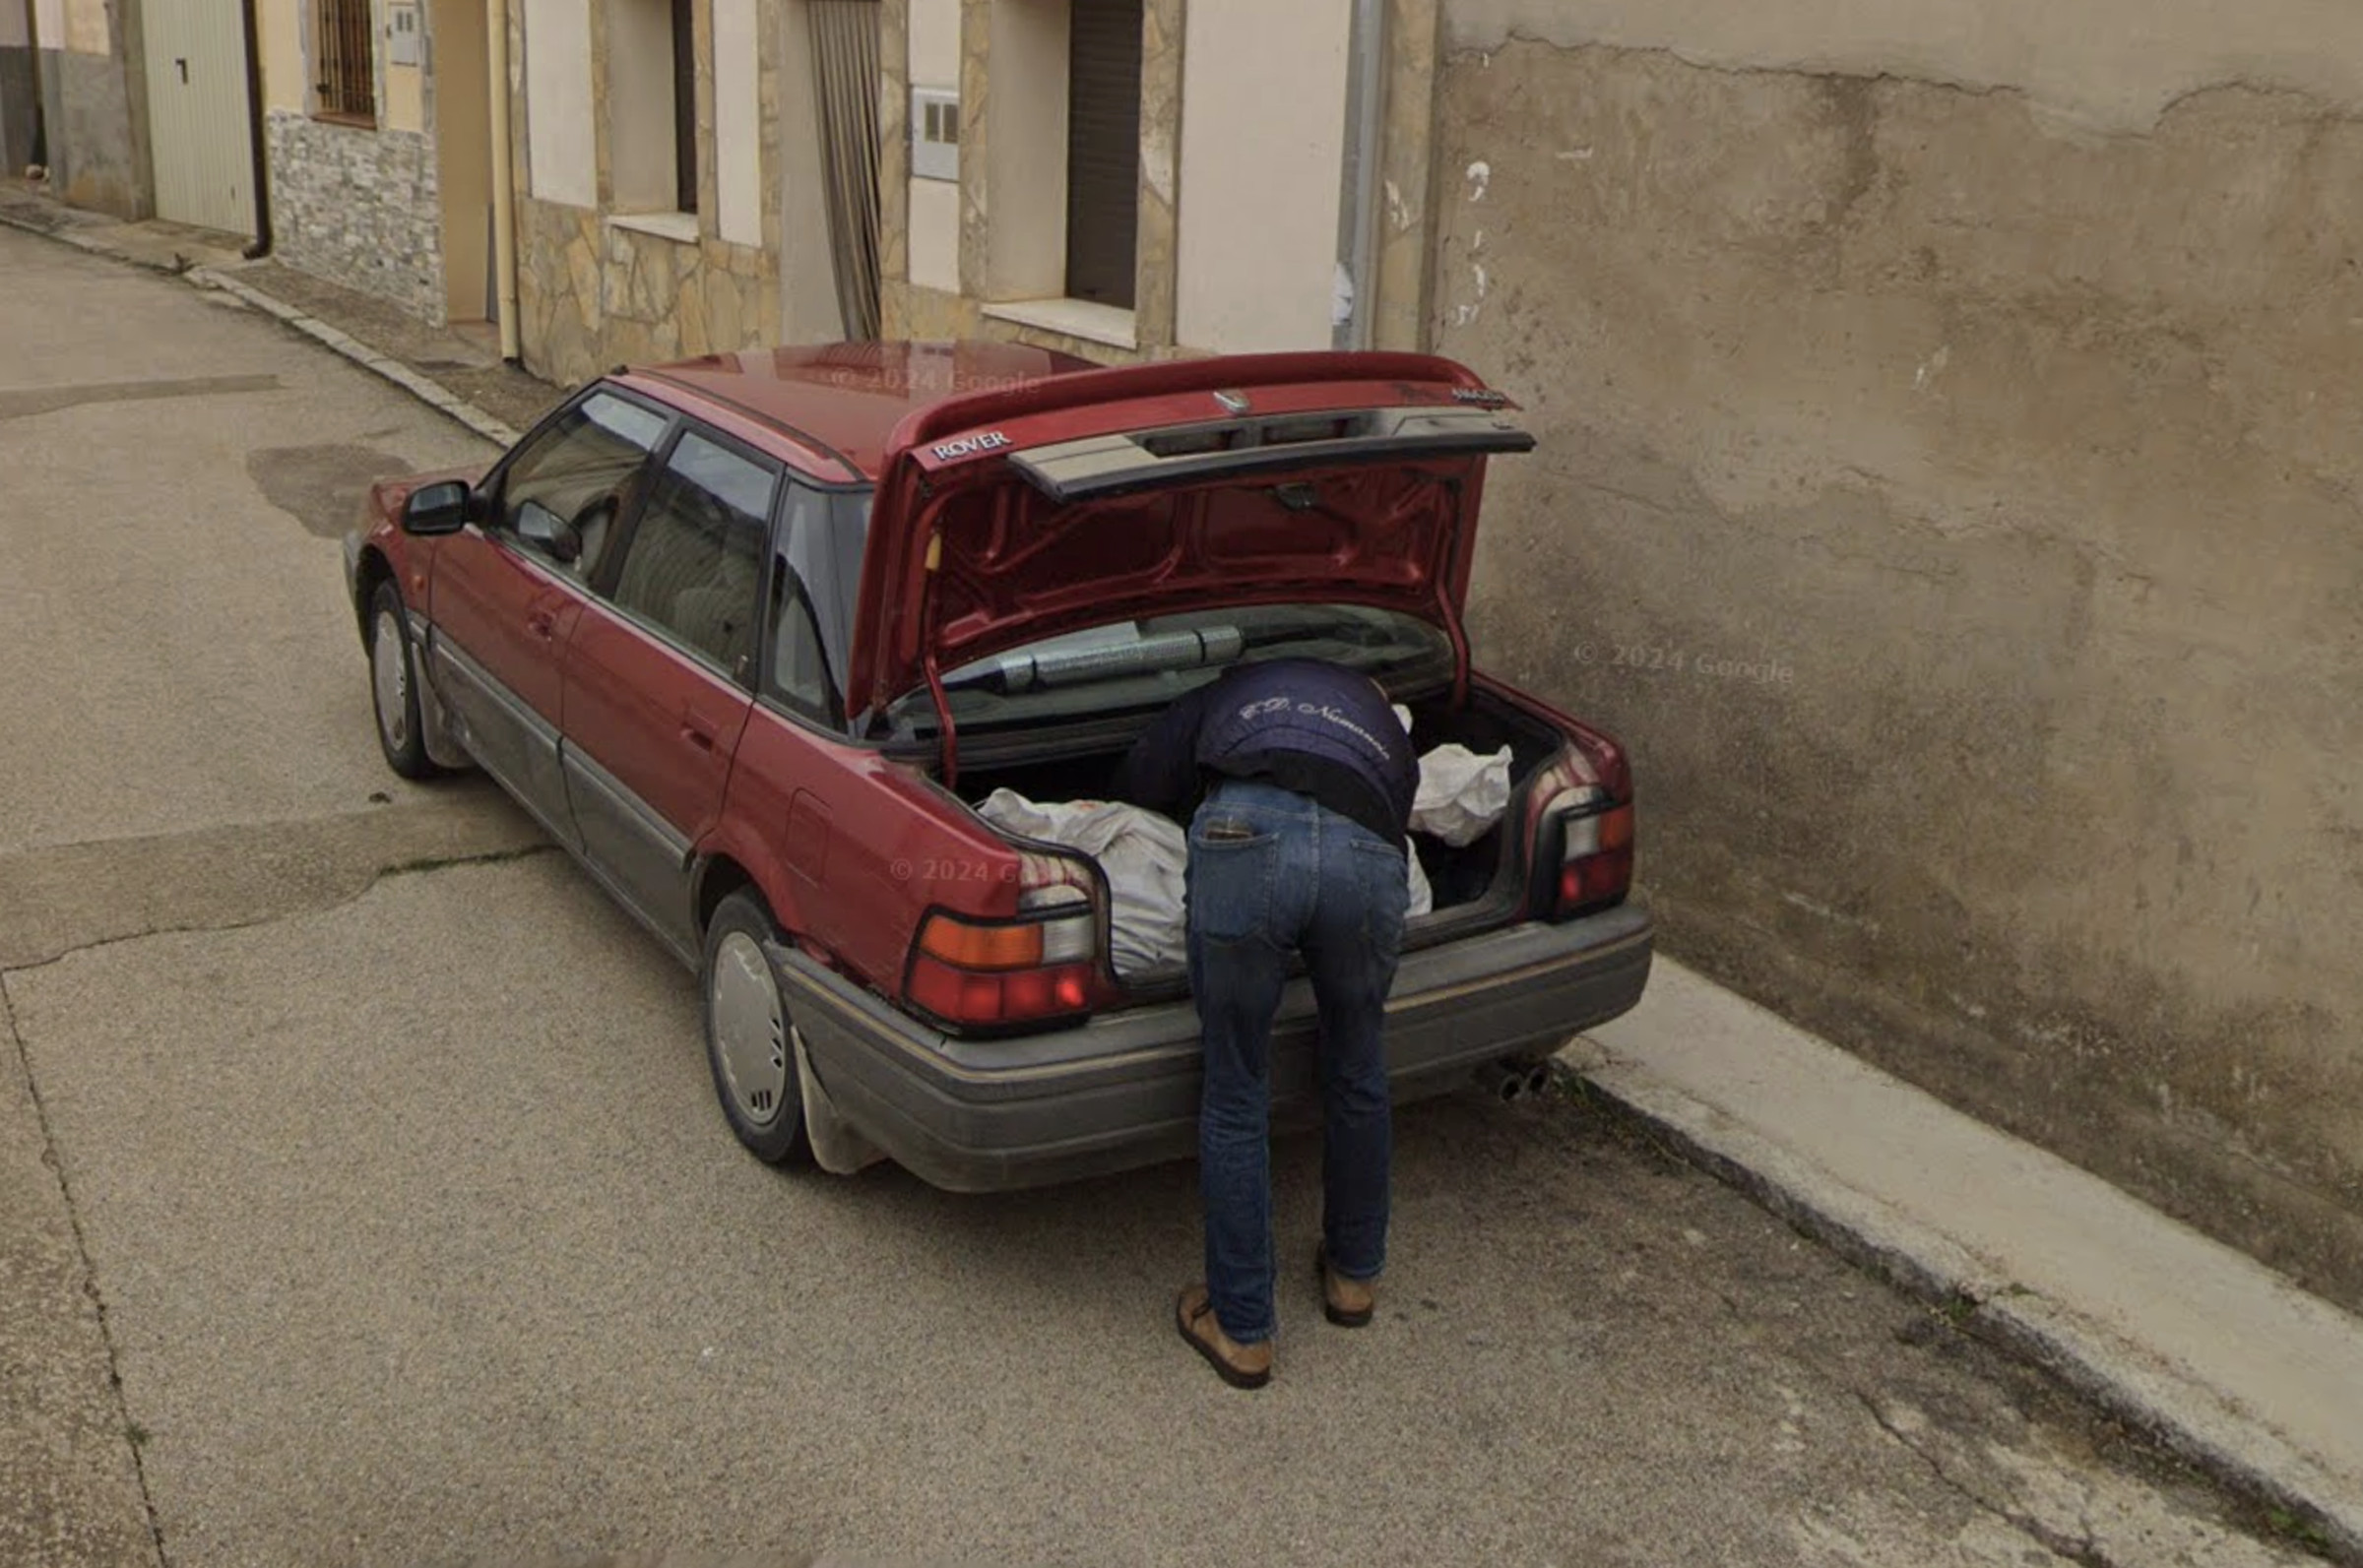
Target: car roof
[{"x": 850, "y": 398}]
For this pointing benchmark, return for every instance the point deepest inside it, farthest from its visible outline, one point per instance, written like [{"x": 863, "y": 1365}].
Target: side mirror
[
  {"x": 546, "y": 530},
  {"x": 441, "y": 508}
]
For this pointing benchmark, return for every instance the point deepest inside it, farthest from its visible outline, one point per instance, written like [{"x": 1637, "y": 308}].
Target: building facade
[
  {"x": 646, "y": 186},
  {"x": 1137, "y": 179},
  {"x": 376, "y": 119},
  {"x": 73, "y": 76}
]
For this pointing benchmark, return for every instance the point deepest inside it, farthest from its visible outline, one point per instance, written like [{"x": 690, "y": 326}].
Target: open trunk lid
[{"x": 1007, "y": 516}]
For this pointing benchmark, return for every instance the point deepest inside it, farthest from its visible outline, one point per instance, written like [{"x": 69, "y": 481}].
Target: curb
[
  {"x": 343, "y": 343},
  {"x": 68, "y": 234},
  {"x": 2192, "y": 1421},
  {"x": 430, "y": 393}
]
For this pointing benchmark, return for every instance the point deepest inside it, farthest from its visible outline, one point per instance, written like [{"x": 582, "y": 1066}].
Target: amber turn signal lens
[{"x": 982, "y": 947}]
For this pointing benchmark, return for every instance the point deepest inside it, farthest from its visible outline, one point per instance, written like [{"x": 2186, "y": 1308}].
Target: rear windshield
[{"x": 1129, "y": 667}]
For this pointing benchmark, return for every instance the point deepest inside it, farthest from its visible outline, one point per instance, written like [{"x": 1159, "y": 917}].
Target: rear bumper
[{"x": 1122, "y": 1090}]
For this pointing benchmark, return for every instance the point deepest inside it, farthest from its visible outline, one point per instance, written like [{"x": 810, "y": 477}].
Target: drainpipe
[
  {"x": 1356, "y": 325},
  {"x": 504, "y": 180},
  {"x": 254, "y": 122}
]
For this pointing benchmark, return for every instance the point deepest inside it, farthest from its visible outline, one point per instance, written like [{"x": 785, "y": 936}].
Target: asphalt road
[{"x": 362, "y": 1199}]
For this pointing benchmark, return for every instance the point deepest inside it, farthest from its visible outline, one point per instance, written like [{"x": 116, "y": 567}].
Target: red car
[{"x": 754, "y": 636}]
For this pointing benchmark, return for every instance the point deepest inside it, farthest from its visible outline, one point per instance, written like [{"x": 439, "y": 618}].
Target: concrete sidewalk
[
  {"x": 458, "y": 371},
  {"x": 2203, "y": 1348},
  {"x": 2199, "y": 1345}
]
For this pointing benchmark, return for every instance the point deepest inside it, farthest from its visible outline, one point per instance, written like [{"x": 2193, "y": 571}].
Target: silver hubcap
[
  {"x": 749, "y": 1030},
  {"x": 393, "y": 681}
]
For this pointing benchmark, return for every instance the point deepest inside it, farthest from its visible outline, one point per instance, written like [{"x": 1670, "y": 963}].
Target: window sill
[
  {"x": 354, "y": 122},
  {"x": 1077, "y": 318},
  {"x": 680, "y": 228}
]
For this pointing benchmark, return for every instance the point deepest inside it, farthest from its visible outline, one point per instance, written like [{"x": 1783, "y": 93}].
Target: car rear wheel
[
  {"x": 750, "y": 1041},
  {"x": 394, "y": 686}
]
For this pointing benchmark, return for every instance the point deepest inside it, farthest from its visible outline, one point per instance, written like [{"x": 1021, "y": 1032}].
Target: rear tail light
[
  {"x": 1581, "y": 839},
  {"x": 972, "y": 972}
]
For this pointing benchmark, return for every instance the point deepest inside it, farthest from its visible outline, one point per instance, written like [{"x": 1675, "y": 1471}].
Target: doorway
[
  {"x": 200, "y": 128},
  {"x": 846, "y": 87},
  {"x": 463, "y": 109}
]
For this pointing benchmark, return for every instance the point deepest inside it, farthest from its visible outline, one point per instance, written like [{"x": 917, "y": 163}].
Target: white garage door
[{"x": 197, "y": 114}]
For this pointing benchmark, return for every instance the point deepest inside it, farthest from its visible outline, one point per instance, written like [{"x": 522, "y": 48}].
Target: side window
[
  {"x": 694, "y": 564},
  {"x": 799, "y": 676},
  {"x": 567, "y": 488}
]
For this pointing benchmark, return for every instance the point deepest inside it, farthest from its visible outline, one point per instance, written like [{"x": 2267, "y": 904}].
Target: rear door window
[{"x": 692, "y": 567}]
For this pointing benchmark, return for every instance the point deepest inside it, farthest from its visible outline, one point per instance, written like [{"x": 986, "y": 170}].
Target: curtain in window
[{"x": 844, "y": 53}]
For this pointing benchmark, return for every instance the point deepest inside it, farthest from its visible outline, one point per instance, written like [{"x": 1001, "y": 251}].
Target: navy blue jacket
[{"x": 1323, "y": 731}]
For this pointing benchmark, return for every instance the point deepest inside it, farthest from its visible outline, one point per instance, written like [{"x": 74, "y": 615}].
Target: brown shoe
[
  {"x": 1348, "y": 1303},
  {"x": 1240, "y": 1366}
]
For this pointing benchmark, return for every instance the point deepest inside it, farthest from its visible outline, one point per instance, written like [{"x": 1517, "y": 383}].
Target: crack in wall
[
  {"x": 1869, "y": 78},
  {"x": 2085, "y": 94}
]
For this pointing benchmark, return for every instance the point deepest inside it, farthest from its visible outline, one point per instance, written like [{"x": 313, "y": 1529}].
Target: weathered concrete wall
[
  {"x": 1949, "y": 490},
  {"x": 359, "y": 207},
  {"x": 96, "y": 120}
]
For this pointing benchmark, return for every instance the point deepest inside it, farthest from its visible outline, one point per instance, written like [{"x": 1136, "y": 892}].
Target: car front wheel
[
  {"x": 749, "y": 1036},
  {"x": 394, "y": 686}
]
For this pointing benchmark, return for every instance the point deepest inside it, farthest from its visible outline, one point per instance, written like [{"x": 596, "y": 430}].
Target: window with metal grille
[
  {"x": 1103, "y": 150},
  {"x": 346, "y": 75}
]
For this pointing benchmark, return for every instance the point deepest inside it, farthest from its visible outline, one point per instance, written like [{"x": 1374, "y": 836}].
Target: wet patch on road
[
  {"x": 322, "y": 487},
  {"x": 25, "y": 402}
]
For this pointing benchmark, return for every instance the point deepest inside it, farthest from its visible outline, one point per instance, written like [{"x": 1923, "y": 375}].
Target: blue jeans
[{"x": 1273, "y": 875}]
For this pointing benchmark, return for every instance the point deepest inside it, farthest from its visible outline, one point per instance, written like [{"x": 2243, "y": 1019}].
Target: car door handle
[
  {"x": 697, "y": 735},
  {"x": 543, "y": 624}
]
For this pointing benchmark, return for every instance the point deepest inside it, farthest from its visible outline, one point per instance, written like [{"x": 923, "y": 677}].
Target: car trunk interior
[{"x": 1471, "y": 886}]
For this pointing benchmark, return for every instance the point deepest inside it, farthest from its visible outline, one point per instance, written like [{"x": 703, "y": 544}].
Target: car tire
[
  {"x": 394, "y": 686},
  {"x": 749, "y": 1038}
]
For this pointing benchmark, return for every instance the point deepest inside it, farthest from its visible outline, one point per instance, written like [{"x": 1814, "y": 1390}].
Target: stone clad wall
[
  {"x": 1949, "y": 489},
  {"x": 358, "y": 207},
  {"x": 592, "y": 295}
]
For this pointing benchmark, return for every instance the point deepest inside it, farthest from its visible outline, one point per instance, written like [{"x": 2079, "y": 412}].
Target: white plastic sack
[
  {"x": 1461, "y": 794},
  {"x": 1145, "y": 857},
  {"x": 1423, "y": 897}
]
